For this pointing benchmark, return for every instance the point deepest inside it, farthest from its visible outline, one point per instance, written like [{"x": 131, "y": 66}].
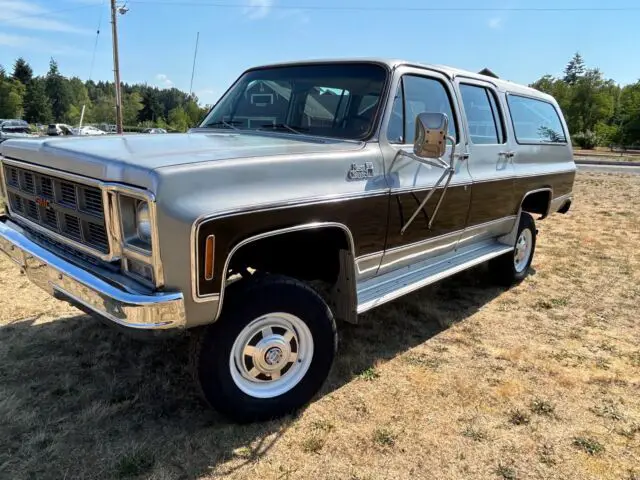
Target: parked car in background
[
  {"x": 56, "y": 129},
  {"x": 154, "y": 130},
  {"x": 89, "y": 130},
  {"x": 15, "y": 129}
]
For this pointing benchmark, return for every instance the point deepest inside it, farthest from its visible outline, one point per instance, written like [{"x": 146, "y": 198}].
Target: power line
[
  {"x": 95, "y": 46},
  {"x": 386, "y": 9},
  {"x": 193, "y": 70}
]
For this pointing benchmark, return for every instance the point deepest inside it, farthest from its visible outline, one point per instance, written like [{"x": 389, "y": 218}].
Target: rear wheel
[
  {"x": 513, "y": 267},
  {"x": 270, "y": 351}
]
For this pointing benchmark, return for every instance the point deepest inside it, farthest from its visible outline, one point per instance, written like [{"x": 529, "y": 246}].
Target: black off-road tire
[
  {"x": 503, "y": 268},
  {"x": 248, "y": 300}
]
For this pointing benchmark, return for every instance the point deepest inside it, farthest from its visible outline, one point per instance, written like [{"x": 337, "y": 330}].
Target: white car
[
  {"x": 88, "y": 130},
  {"x": 154, "y": 130},
  {"x": 57, "y": 129}
]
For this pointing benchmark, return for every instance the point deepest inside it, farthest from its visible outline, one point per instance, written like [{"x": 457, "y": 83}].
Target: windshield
[{"x": 332, "y": 100}]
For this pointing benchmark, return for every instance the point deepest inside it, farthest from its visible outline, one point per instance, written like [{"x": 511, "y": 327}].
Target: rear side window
[
  {"x": 535, "y": 121},
  {"x": 483, "y": 116}
]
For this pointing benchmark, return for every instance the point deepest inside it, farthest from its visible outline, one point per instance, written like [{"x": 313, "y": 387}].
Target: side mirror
[{"x": 431, "y": 135}]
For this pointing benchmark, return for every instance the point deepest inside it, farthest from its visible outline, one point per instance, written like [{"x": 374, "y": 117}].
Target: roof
[{"x": 449, "y": 71}]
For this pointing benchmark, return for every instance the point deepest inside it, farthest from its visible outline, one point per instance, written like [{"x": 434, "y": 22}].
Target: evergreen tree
[
  {"x": 11, "y": 94},
  {"x": 194, "y": 112},
  {"x": 57, "y": 89},
  {"x": 131, "y": 107},
  {"x": 178, "y": 119},
  {"x": 22, "y": 71},
  {"x": 37, "y": 108},
  {"x": 152, "y": 108},
  {"x": 574, "y": 69}
]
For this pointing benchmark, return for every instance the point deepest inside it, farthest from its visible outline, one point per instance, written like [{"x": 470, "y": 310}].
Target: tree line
[
  {"x": 54, "y": 98},
  {"x": 598, "y": 110}
]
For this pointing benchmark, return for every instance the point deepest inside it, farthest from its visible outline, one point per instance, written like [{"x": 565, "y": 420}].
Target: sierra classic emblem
[
  {"x": 359, "y": 172},
  {"x": 43, "y": 202}
]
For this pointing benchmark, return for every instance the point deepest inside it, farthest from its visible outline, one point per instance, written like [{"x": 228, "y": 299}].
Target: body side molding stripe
[{"x": 327, "y": 200}]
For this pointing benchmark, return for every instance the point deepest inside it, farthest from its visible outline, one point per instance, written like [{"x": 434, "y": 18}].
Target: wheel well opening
[
  {"x": 565, "y": 207},
  {"x": 306, "y": 254},
  {"x": 537, "y": 202}
]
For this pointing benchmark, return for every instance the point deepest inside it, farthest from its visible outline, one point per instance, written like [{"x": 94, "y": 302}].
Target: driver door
[{"x": 410, "y": 181}]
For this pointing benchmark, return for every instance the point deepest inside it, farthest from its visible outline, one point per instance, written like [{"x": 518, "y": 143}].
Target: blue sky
[{"x": 157, "y": 37}]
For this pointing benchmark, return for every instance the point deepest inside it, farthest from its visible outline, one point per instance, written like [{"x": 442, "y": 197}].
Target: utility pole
[{"x": 116, "y": 67}]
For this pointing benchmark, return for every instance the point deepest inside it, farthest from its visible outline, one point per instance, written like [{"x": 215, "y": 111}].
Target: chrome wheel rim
[
  {"x": 522, "y": 252},
  {"x": 271, "y": 355}
]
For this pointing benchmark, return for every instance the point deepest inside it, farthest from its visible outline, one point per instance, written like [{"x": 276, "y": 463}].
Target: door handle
[
  {"x": 463, "y": 156},
  {"x": 507, "y": 154}
]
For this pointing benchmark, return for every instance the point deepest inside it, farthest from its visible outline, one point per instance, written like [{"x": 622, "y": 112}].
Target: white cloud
[
  {"x": 257, "y": 9},
  {"x": 163, "y": 81},
  {"x": 28, "y": 15},
  {"x": 37, "y": 44},
  {"x": 13, "y": 40},
  {"x": 495, "y": 23}
]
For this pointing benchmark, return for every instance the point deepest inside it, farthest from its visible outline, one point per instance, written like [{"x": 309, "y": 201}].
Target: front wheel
[
  {"x": 270, "y": 351},
  {"x": 513, "y": 267}
]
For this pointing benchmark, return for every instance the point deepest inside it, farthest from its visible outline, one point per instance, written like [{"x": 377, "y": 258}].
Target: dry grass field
[{"x": 461, "y": 380}]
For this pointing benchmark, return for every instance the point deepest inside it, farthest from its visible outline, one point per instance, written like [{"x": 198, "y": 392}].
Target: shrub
[
  {"x": 607, "y": 134},
  {"x": 587, "y": 140}
]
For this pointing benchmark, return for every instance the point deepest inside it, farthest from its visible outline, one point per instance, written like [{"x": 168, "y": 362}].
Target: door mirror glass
[{"x": 431, "y": 135}]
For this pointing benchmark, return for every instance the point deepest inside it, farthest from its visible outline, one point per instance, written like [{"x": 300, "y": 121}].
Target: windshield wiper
[
  {"x": 230, "y": 124},
  {"x": 283, "y": 126}
]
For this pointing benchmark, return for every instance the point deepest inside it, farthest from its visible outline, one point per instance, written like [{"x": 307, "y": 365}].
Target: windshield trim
[{"x": 374, "y": 129}]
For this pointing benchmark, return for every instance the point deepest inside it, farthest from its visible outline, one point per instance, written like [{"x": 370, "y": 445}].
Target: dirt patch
[{"x": 459, "y": 380}]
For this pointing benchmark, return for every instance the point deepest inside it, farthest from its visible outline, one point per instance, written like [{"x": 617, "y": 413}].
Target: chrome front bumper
[{"x": 64, "y": 280}]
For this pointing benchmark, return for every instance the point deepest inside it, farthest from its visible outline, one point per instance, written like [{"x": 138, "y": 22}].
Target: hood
[{"x": 132, "y": 158}]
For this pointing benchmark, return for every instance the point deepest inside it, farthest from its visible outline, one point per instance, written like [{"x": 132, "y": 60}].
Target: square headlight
[{"x": 136, "y": 222}]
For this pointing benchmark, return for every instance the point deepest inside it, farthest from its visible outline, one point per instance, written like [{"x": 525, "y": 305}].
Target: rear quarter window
[{"x": 535, "y": 121}]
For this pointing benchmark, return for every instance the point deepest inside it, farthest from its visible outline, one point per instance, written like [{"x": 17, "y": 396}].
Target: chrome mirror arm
[{"x": 449, "y": 170}]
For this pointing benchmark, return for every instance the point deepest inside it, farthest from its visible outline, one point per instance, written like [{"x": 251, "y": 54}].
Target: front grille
[
  {"x": 28, "y": 184},
  {"x": 72, "y": 226},
  {"x": 93, "y": 201},
  {"x": 46, "y": 187},
  {"x": 98, "y": 235},
  {"x": 68, "y": 194},
  {"x": 12, "y": 177},
  {"x": 72, "y": 210},
  {"x": 32, "y": 210},
  {"x": 51, "y": 219}
]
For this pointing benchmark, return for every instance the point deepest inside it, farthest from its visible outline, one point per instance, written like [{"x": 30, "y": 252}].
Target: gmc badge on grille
[{"x": 43, "y": 202}]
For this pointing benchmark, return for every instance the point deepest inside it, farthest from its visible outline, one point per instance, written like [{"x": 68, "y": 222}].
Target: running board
[{"x": 391, "y": 285}]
